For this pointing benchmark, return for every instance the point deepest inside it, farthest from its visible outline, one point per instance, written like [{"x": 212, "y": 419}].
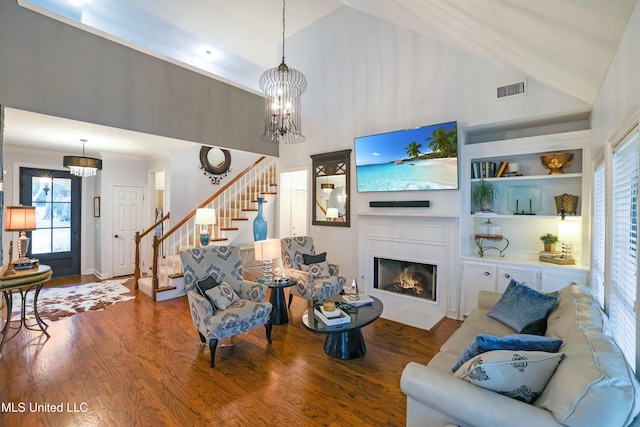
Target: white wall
[
  {"x": 368, "y": 76},
  {"x": 619, "y": 94},
  {"x": 190, "y": 186}
]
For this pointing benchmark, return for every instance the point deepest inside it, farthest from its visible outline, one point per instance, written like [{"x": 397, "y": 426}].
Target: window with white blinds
[
  {"x": 624, "y": 245},
  {"x": 598, "y": 234}
]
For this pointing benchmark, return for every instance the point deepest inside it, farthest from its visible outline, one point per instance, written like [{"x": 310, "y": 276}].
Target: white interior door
[
  {"x": 126, "y": 213},
  {"x": 293, "y": 203},
  {"x": 299, "y": 212}
]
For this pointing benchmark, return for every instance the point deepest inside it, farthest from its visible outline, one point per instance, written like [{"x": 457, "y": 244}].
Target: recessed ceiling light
[{"x": 209, "y": 54}]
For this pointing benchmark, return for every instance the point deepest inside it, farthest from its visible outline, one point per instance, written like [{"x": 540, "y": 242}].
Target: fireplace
[
  {"x": 405, "y": 277},
  {"x": 396, "y": 240}
]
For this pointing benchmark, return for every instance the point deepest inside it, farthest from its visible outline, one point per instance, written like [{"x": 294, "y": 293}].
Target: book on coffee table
[
  {"x": 362, "y": 299},
  {"x": 337, "y": 320}
]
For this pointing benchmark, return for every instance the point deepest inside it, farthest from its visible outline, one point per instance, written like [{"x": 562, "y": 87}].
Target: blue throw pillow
[
  {"x": 515, "y": 342},
  {"x": 204, "y": 285},
  {"x": 309, "y": 259},
  {"x": 521, "y": 306}
]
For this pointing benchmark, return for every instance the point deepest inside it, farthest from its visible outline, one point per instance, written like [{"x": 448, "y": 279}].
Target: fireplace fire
[{"x": 405, "y": 277}]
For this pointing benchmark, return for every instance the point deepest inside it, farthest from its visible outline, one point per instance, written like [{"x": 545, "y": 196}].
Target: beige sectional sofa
[{"x": 593, "y": 386}]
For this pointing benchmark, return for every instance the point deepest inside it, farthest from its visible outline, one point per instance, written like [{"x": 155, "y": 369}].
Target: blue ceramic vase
[{"x": 260, "y": 223}]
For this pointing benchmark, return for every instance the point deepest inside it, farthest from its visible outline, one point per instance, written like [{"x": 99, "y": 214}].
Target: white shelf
[
  {"x": 529, "y": 177},
  {"x": 510, "y": 260},
  {"x": 512, "y": 216}
]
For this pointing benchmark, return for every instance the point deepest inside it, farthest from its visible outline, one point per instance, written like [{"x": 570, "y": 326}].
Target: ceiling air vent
[{"x": 519, "y": 88}]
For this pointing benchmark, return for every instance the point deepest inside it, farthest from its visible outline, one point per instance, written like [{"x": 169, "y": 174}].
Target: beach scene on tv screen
[{"x": 424, "y": 158}]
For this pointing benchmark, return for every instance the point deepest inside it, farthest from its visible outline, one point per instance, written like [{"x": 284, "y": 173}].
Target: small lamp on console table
[
  {"x": 22, "y": 219},
  {"x": 266, "y": 251}
]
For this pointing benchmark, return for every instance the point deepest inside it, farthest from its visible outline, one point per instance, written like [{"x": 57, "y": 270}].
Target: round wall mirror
[{"x": 215, "y": 160}]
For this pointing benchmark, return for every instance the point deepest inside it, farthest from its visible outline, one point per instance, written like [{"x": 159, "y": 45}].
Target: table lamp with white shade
[
  {"x": 332, "y": 214},
  {"x": 266, "y": 251},
  {"x": 204, "y": 218},
  {"x": 568, "y": 234},
  {"x": 21, "y": 219}
]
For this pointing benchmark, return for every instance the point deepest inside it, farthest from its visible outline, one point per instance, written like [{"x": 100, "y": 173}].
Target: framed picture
[{"x": 96, "y": 207}]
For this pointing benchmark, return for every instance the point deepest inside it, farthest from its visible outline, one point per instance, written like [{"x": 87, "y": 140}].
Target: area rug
[{"x": 60, "y": 302}]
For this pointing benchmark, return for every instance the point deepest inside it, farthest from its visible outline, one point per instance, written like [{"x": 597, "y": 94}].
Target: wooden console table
[{"x": 23, "y": 281}]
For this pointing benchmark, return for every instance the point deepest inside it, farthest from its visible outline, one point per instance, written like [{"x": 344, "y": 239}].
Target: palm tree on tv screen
[
  {"x": 413, "y": 150},
  {"x": 444, "y": 144}
]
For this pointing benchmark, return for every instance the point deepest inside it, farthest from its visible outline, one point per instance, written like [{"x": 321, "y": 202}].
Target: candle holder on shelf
[
  {"x": 488, "y": 237},
  {"x": 524, "y": 199}
]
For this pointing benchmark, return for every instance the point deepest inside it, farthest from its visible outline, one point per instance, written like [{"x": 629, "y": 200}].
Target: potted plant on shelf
[
  {"x": 483, "y": 195},
  {"x": 549, "y": 241}
]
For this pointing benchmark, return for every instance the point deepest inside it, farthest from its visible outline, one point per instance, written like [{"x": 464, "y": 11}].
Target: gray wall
[{"x": 52, "y": 68}]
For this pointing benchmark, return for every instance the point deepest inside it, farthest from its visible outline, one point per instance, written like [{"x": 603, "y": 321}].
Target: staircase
[{"x": 236, "y": 206}]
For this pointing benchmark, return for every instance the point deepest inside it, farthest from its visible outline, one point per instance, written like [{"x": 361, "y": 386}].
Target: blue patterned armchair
[
  {"x": 223, "y": 264},
  {"x": 314, "y": 284}
]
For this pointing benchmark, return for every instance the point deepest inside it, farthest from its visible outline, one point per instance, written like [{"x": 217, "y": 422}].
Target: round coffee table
[{"x": 345, "y": 341}]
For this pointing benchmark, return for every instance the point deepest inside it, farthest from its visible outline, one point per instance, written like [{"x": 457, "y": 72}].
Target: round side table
[
  {"x": 23, "y": 281},
  {"x": 279, "y": 312}
]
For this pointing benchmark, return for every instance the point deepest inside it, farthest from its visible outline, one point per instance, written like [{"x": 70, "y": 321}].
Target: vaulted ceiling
[{"x": 567, "y": 44}]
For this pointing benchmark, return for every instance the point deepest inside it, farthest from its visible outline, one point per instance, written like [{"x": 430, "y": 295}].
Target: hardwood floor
[{"x": 139, "y": 363}]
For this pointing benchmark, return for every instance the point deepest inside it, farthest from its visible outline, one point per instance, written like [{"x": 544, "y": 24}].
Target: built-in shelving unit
[{"x": 533, "y": 193}]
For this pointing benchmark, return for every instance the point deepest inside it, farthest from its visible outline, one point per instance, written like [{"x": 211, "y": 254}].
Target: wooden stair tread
[
  {"x": 229, "y": 229},
  {"x": 165, "y": 288},
  {"x": 239, "y": 219},
  {"x": 175, "y": 275}
]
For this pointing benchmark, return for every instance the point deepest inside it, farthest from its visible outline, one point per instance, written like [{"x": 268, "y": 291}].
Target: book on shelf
[
  {"x": 492, "y": 170},
  {"x": 502, "y": 169},
  {"x": 484, "y": 170},
  {"x": 332, "y": 321},
  {"x": 363, "y": 299},
  {"x": 550, "y": 253},
  {"x": 557, "y": 260}
]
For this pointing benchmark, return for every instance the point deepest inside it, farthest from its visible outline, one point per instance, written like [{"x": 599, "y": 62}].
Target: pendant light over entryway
[
  {"x": 82, "y": 165},
  {"x": 282, "y": 87}
]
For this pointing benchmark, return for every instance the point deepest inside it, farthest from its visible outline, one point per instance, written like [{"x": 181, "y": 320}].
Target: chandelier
[
  {"x": 82, "y": 165},
  {"x": 282, "y": 87}
]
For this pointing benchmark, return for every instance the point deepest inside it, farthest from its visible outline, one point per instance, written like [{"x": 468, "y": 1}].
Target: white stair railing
[{"x": 231, "y": 203}]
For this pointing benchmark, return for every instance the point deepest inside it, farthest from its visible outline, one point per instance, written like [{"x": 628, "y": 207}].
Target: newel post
[{"x": 136, "y": 271}]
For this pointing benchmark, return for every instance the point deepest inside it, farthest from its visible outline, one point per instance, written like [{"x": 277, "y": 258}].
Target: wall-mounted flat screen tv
[{"x": 424, "y": 158}]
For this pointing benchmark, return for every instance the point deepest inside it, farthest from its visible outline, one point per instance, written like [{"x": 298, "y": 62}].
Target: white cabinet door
[
  {"x": 557, "y": 278},
  {"x": 527, "y": 276},
  {"x": 476, "y": 277}
]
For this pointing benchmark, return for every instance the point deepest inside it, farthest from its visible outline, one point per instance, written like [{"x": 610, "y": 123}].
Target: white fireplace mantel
[{"x": 418, "y": 238}]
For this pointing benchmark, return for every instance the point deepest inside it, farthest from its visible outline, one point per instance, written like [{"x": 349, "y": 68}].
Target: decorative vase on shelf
[{"x": 260, "y": 223}]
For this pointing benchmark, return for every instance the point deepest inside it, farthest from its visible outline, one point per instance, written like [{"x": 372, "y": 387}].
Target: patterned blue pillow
[
  {"x": 222, "y": 296},
  {"x": 515, "y": 342},
  {"x": 320, "y": 269},
  {"x": 521, "y": 306}
]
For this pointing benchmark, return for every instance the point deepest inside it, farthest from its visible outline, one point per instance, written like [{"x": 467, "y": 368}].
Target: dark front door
[{"x": 56, "y": 196}]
